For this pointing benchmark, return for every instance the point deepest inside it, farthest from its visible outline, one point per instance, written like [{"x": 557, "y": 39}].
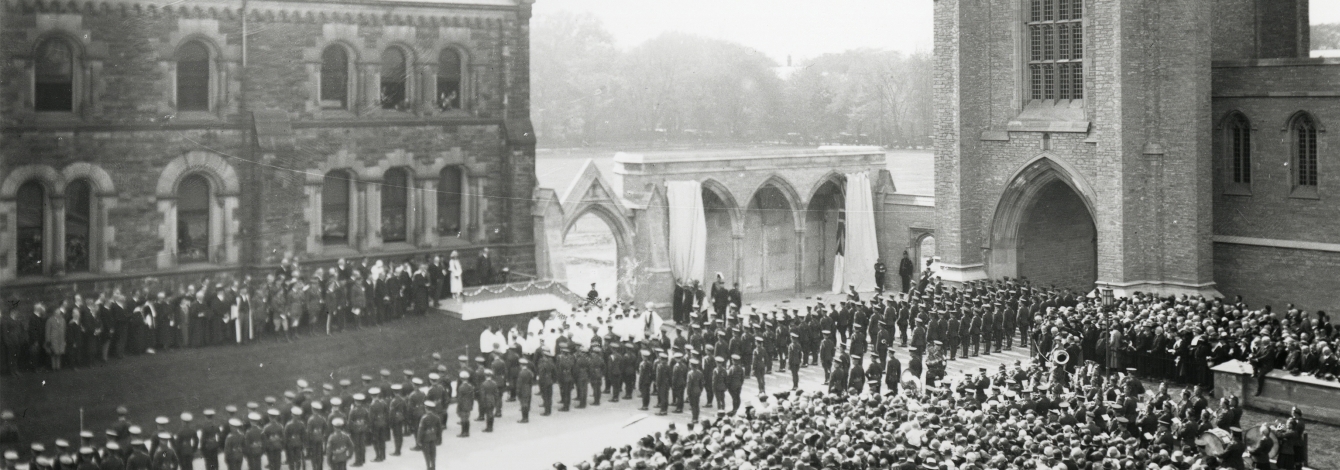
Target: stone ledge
[{"x": 1316, "y": 398}]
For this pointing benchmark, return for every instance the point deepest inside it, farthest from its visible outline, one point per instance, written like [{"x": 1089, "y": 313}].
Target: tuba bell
[{"x": 1060, "y": 357}]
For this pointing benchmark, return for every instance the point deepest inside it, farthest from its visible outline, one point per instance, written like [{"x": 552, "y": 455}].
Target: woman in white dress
[{"x": 454, "y": 271}]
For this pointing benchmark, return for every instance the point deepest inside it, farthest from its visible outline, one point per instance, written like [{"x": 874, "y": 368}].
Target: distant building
[
  {"x": 149, "y": 138},
  {"x": 1131, "y": 145}
]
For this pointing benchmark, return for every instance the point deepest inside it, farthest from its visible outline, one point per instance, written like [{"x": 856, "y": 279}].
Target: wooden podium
[{"x": 505, "y": 300}]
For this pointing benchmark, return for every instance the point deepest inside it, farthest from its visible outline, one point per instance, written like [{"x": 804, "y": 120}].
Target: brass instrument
[{"x": 1060, "y": 357}]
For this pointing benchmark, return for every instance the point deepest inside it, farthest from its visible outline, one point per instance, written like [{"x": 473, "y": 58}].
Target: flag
[{"x": 838, "y": 264}]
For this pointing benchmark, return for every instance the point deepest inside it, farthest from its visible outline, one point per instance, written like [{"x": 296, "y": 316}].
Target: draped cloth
[
  {"x": 688, "y": 231},
  {"x": 861, "y": 249}
]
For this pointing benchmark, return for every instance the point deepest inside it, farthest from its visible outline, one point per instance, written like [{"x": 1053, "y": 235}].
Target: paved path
[{"x": 576, "y": 435}]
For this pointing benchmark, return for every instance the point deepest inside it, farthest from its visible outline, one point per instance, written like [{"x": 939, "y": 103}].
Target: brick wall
[
  {"x": 1057, "y": 241},
  {"x": 1276, "y": 276}
]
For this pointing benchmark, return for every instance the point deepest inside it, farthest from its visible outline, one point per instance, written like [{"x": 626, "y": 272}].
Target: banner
[
  {"x": 861, "y": 249},
  {"x": 688, "y": 231}
]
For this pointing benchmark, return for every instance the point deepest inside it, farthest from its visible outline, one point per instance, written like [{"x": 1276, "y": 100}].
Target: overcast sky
[{"x": 800, "y": 28}]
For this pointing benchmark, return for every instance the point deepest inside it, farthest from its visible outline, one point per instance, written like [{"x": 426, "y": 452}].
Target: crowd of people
[
  {"x": 1086, "y": 409},
  {"x": 89, "y": 328}
]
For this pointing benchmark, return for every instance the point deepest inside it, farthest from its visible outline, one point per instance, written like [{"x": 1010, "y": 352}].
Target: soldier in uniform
[
  {"x": 827, "y": 349},
  {"x": 397, "y": 413},
  {"x": 694, "y": 386},
  {"x": 893, "y": 371},
  {"x": 234, "y": 446},
  {"x": 359, "y": 422},
  {"x": 565, "y": 378},
  {"x": 581, "y": 370},
  {"x": 663, "y": 373},
  {"x": 295, "y": 438},
  {"x": 188, "y": 442},
  {"x": 1008, "y": 323},
  {"x": 546, "y": 381},
  {"x": 614, "y": 370},
  {"x": 499, "y": 369},
  {"x": 274, "y": 440},
  {"x": 255, "y": 441},
  {"x": 679, "y": 373},
  {"x": 210, "y": 442},
  {"x": 429, "y": 433},
  {"x": 735, "y": 382},
  {"x": 314, "y": 442},
  {"x": 760, "y": 364},
  {"x": 488, "y": 398},
  {"x": 525, "y": 380},
  {"x": 793, "y": 355},
  {"x": 709, "y": 368},
  {"x": 339, "y": 446},
  {"x": 837, "y": 381},
  {"x": 717, "y": 385},
  {"x": 379, "y": 429},
  {"x": 645, "y": 378},
  {"x": 465, "y": 394},
  {"x": 974, "y": 336},
  {"x": 873, "y": 373}
]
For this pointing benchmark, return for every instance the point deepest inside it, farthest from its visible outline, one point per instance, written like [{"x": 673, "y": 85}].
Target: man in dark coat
[
  {"x": 905, "y": 270},
  {"x": 484, "y": 267}
]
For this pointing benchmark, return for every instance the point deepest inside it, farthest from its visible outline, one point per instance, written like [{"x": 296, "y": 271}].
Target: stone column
[
  {"x": 57, "y": 230},
  {"x": 428, "y": 201},
  {"x": 800, "y": 260},
  {"x": 314, "y": 216}
]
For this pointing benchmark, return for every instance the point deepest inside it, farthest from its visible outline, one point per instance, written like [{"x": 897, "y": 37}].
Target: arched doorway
[
  {"x": 1058, "y": 241},
  {"x": 821, "y": 234},
  {"x": 769, "y": 242},
  {"x": 591, "y": 255},
  {"x": 925, "y": 253},
  {"x": 719, "y": 212},
  {"x": 1044, "y": 229}
]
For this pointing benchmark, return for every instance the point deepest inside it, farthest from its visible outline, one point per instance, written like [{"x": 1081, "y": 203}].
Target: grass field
[{"x": 48, "y": 404}]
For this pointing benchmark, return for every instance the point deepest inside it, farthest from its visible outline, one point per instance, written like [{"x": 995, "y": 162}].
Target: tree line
[{"x": 681, "y": 88}]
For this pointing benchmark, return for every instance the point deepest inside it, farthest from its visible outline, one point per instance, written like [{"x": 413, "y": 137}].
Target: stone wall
[{"x": 126, "y": 127}]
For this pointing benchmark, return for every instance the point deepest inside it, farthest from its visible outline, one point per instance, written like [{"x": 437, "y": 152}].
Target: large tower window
[
  {"x": 1056, "y": 49},
  {"x": 54, "y": 73},
  {"x": 193, "y": 77}
]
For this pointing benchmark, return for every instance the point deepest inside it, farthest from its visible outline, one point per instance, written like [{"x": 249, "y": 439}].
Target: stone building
[
  {"x": 1138, "y": 145},
  {"x": 148, "y": 138}
]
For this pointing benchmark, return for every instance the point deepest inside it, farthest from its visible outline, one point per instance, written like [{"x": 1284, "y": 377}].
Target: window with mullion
[
  {"x": 1055, "y": 35},
  {"x": 1305, "y": 134}
]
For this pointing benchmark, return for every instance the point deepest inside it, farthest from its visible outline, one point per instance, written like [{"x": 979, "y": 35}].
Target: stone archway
[
  {"x": 1044, "y": 227},
  {"x": 821, "y": 232},
  {"x": 721, "y": 213},
  {"x": 770, "y": 257},
  {"x": 592, "y": 254}
]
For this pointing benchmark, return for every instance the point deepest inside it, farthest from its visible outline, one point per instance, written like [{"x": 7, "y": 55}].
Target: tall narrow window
[
  {"x": 54, "y": 70},
  {"x": 78, "y": 225},
  {"x": 449, "y": 75},
  {"x": 193, "y": 77},
  {"x": 32, "y": 209},
  {"x": 1056, "y": 49},
  {"x": 449, "y": 198},
  {"x": 335, "y": 208},
  {"x": 1305, "y": 151},
  {"x": 335, "y": 78},
  {"x": 395, "y": 205},
  {"x": 193, "y": 213},
  {"x": 393, "y": 79},
  {"x": 1238, "y": 136}
]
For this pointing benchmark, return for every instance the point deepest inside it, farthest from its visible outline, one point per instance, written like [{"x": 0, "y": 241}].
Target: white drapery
[
  {"x": 688, "y": 231},
  {"x": 862, "y": 249}
]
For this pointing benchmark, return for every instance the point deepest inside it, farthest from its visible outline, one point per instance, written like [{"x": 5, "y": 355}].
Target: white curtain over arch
[
  {"x": 688, "y": 230},
  {"x": 861, "y": 249}
]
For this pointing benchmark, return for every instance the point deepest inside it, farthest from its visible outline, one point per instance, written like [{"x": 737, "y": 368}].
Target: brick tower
[{"x": 1073, "y": 143}]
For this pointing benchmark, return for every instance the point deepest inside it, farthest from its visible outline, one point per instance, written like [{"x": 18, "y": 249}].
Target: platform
[
  {"x": 1318, "y": 399},
  {"x": 505, "y": 300}
]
